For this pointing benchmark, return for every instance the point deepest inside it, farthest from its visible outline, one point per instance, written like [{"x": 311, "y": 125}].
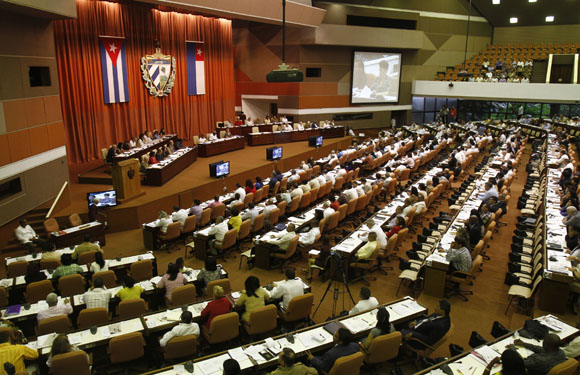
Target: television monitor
[
  {"x": 274, "y": 153},
  {"x": 219, "y": 169},
  {"x": 376, "y": 77},
  {"x": 315, "y": 141},
  {"x": 107, "y": 198}
]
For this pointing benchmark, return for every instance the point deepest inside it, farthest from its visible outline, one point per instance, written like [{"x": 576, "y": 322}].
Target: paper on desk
[
  {"x": 254, "y": 352},
  {"x": 311, "y": 339},
  {"x": 355, "y": 325},
  {"x": 45, "y": 341},
  {"x": 237, "y": 354},
  {"x": 155, "y": 280},
  {"x": 173, "y": 315},
  {"x": 213, "y": 365},
  {"x": 236, "y": 295},
  {"x": 74, "y": 338},
  {"x": 485, "y": 354}
]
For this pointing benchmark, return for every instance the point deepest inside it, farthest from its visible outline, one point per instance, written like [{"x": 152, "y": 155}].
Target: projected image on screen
[{"x": 375, "y": 77}]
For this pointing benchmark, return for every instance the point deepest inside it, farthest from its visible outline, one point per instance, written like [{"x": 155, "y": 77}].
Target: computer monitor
[
  {"x": 107, "y": 198},
  {"x": 315, "y": 141},
  {"x": 219, "y": 169},
  {"x": 274, "y": 153}
]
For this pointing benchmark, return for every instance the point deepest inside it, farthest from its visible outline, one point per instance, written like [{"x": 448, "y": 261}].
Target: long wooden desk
[
  {"x": 158, "y": 174},
  {"x": 138, "y": 152},
  {"x": 75, "y": 235},
  {"x": 221, "y": 146},
  {"x": 256, "y": 139},
  {"x": 244, "y": 130}
]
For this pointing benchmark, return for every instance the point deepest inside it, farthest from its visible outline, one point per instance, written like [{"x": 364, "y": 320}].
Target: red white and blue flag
[
  {"x": 195, "y": 68},
  {"x": 114, "y": 68}
]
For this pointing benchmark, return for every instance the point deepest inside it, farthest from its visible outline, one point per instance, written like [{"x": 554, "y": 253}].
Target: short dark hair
[
  {"x": 345, "y": 336},
  {"x": 290, "y": 274},
  {"x": 365, "y": 292},
  {"x": 445, "y": 306},
  {"x": 251, "y": 205},
  {"x": 86, "y": 238},
  {"x": 288, "y": 357},
  {"x": 231, "y": 367},
  {"x": 186, "y": 317},
  {"x": 235, "y": 212},
  {"x": 197, "y": 202},
  {"x": 98, "y": 282},
  {"x": 176, "y": 208},
  {"x": 4, "y": 337},
  {"x": 66, "y": 259},
  {"x": 129, "y": 281}
]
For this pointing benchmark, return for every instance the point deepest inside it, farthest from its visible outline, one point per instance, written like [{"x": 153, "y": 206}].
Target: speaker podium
[{"x": 127, "y": 180}]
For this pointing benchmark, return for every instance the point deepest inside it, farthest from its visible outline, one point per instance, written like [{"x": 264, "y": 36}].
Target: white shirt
[
  {"x": 24, "y": 235},
  {"x": 296, "y": 193},
  {"x": 180, "y": 216},
  {"x": 242, "y": 193},
  {"x": 327, "y": 212},
  {"x": 251, "y": 214},
  {"x": 269, "y": 208},
  {"x": 96, "y": 268},
  {"x": 287, "y": 290},
  {"x": 163, "y": 223},
  {"x": 98, "y": 297},
  {"x": 213, "y": 137},
  {"x": 309, "y": 237},
  {"x": 182, "y": 329},
  {"x": 364, "y": 304},
  {"x": 314, "y": 183},
  {"x": 351, "y": 194},
  {"x": 219, "y": 230}
]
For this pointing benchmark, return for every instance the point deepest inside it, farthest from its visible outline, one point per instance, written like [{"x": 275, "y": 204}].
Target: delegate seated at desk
[
  {"x": 287, "y": 365},
  {"x": 282, "y": 239},
  {"x": 185, "y": 327},
  {"x": 15, "y": 354},
  {"x": 27, "y": 236},
  {"x": 66, "y": 268},
  {"x": 430, "y": 329},
  {"x": 219, "y": 306},
  {"x": 545, "y": 357},
  {"x": 458, "y": 256},
  {"x": 53, "y": 308},
  {"x": 344, "y": 346},
  {"x": 252, "y": 298},
  {"x": 219, "y": 231},
  {"x": 383, "y": 327},
  {"x": 366, "y": 302},
  {"x": 85, "y": 246},
  {"x": 288, "y": 289}
]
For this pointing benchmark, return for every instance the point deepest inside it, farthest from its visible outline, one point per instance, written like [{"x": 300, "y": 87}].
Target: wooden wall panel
[
  {"x": 52, "y": 108},
  {"x": 15, "y": 114},
  {"x": 56, "y": 135},
  {"x": 4, "y": 146},
  {"x": 38, "y": 139},
  {"x": 18, "y": 145},
  {"x": 35, "y": 112}
]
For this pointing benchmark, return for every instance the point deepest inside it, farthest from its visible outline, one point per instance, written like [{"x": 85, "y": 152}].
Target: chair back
[
  {"x": 205, "y": 217},
  {"x": 245, "y": 229},
  {"x": 224, "y": 328},
  {"x": 384, "y": 348},
  {"x": 3, "y": 297},
  {"x": 274, "y": 216},
  {"x": 258, "y": 223},
  {"x": 173, "y": 232},
  {"x": 332, "y": 221},
  {"x": 314, "y": 194},
  {"x": 189, "y": 225},
  {"x": 299, "y": 308},
  {"x": 51, "y": 225},
  {"x": 183, "y": 295},
  {"x": 362, "y": 202},
  {"x": 305, "y": 200},
  {"x": 181, "y": 347},
  {"x": 16, "y": 269},
  {"x": 71, "y": 285},
  {"x": 126, "y": 348},
  {"x": 92, "y": 317},
  {"x": 342, "y": 211},
  {"x": 109, "y": 278},
  {"x": 338, "y": 182},
  {"x": 400, "y": 237},
  {"x": 86, "y": 257},
  {"x": 404, "y": 174},
  {"x": 294, "y": 203},
  {"x": 217, "y": 211},
  {"x": 255, "y": 129},
  {"x": 76, "y": 362},
  {"x": 229, "y": 239},
  {"x": 568, "y": 367},
  {"x": 131, "y": 308},
  {"x": 282, "y": 207},
  {"x": 351, "y": 206},
  {"x": 391, "y": 242},
  {"x": 290, "y": 250},
  {"x": 238, "y": 205},
  {"x": 142, "y": 270},
  {"x": 49, "y": 264},
  {"x": 58, "y": 324},
  {"x": 348, "y": 365},
  {"x": 248, "y": 198},
  {"x": 262, "y": 320},
  {"x": 258, "y": 195},
  {"x": 38, "y": 291},
  {"x": 222, "y": 133},
  {"x": 75, "y": 220},
  {"x": 224, "y": 283}
]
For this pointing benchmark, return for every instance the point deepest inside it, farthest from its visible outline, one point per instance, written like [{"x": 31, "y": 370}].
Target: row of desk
[
  {"x": 75, "y": 235},
  {"x": 268, "y": 138},
  {"x": 221, "y": 146},
  {"x": 159, "y": 174},
  {"x": 137, "y": 152}
]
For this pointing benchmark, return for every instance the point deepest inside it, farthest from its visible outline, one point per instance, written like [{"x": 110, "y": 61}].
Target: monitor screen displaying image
[
  {"x": 375, "y": 77},
  {"x": 315, "y": 141},
  {"x": 222, "y": 169},
  {"x": 274, "y": 153},
  {"x": 106, "y": 198}
]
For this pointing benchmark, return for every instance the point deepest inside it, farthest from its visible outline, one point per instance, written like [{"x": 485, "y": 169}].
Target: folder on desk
[
  {"x": 332, "y": 327},
  {"x": 13, "y": 310}
]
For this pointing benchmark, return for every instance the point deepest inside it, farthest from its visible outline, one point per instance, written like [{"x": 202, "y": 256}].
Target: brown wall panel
[
  {"x": 52, "y": 108},
  {"x": 11, "y": 77},
  {"x": 324, "y": 101},
  {"x": 35, "y": 112},
  {"x": 56, "y": 135},
  {"x": 151, "y": 211},
  {"x": 318, "y": 88},
  {"x": 38, "y": 138},
  {"x": 186, "y": 199},
  {"x": 4, "y": 146},
  {"x": 18, "y": 145},
  {"x": 15, "y": 114}
]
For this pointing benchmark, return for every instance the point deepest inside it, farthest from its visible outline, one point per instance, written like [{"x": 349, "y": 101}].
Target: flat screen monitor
[
  {"x": 274, "y": 153},
  {"x": 106, "y": 198},
  {"x": 315, "y": 141},
  {"x": 376, "y": 77},
  {"x": 219, "y": 169}
]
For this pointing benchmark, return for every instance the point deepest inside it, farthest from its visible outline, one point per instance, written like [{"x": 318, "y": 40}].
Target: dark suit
[
  {"x": 429, "y": 330},
  {"x": 326, "y": 361}
]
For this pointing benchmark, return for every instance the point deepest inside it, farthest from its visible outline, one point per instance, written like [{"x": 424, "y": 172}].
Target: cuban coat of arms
[{"x": 158, "y": 72}]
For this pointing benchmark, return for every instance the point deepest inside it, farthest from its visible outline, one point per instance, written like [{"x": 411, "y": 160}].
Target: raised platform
[{"x": 192, "y": 183}]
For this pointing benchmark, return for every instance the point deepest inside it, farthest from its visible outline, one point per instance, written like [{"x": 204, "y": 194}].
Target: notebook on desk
[{"x": 332, "y": 327}]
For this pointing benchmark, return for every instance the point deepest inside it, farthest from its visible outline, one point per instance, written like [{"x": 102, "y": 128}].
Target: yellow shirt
[
  {"x": 130, "y": 293},
  {"x": 15, "y": 354},
  {"x": 236, "y": 222},
  {"x": 252, "y": 303},
  {"x": 367, "y": 250},
  {"x": 84, "y": 247}
]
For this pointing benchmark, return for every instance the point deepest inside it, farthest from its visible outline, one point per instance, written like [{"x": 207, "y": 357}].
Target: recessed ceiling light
[
  {"x": 549, "y": 18},
  {"x": 495, "y": 2},
  {"x": 532, "y": 1},
  {"x": 513, "y": 19}
]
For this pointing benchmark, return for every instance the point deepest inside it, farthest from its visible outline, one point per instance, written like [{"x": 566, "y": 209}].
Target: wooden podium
[{"x": 127, "y": 180}]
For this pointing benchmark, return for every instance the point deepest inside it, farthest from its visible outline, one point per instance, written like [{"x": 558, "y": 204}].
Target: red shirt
[
  {"x": 153, "y": 160},
  {"x": 238, "y": 123},
  {"x": 394, "y": 231},
  {"x": 335, "y": 205},
  {"x": 250, "y": 189},
  {"x": 214, "y": 308}
]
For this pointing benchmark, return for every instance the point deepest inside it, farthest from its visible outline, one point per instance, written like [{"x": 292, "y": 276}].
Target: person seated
[
  {"x": 97, "y": 296},
  {"x": 153, "y": 158},
  {"x": 288, "y": 289},
  {"x": 185, "y": 327},
  {"x": 171, "y": 280},
  {"x": 366, "y": 251},
  {"x": 308, "y": 238},
  {"x": 85, "y": 246},
  {"x": 373, "y": 228},
  {"x": 54, "y": 309},
  {"x": 490, "y": 191},
  {"x": 60, "y": 345},
  {"x": 314, "y": 183},
  {"x": 458, "y": 256},
  {"x": 366, "y": 302},
  {"x": 236, "y": 220},
  {"x": 430, "y": 329},
  {"x": 287, "y": 365},
  {"x": 250, "y": 187},
  {"x": 196, "y": 209},
  {"x": 545, "y": 357},
  {"x": 130, "y": 291},
  {"x": 252, "y": 298},
  {"x": 100, "y": 264},
  {"x": 305, "y": 187},
  {"x": 296, "y": 191},
  {"x": 241, "y": 191},
  {"x": 179, "y": 215},
  {"x": 475, "y": 229},
  {"x": 512, "y": 363},
  {"x": 66, "y": 268},
  {"x": 33, "y": 273},
  {"x": 393, "y": 221},
  {"x": 210, "y": 272},
  {"x": 213, "y": 137},
  {"x": 231, "y": 367},
  {"x": 282, "y": 239},
  {"x": 383, "y": 327},
  {"x": 144, "y": 163},
  {"x": 251, "y": 213},
  {"x": 219, "y": 231},
  {"x": 259, "y": 184},
  {"x": 249, "y": 122},
  {"x": 49, "y": 251},
  {"x": 270, "y": 206},
  {"x": 15, "y": 354},
  {"x": 219, "y": 306},
  {"x": 334, "y": 202},
  {"x": 344, "y": 346},
  {"x": 400, "y": 224},
  {"x": 111, "y": 153},
  {"x": 163, "y": 221},
  {"x": 27, "y": 236}
]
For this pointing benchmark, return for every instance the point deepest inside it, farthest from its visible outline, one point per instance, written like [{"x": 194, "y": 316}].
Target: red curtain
[{"x": 90, "y": 123}]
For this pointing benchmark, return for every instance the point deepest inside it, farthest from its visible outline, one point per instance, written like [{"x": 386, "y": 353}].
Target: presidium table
[
  {"x": 221, "y": 146},
  {"x": 137, "y": 152},
  {"x": 158, "y": 174},
  {"x": 75, "y": 235},
  {"x": 256, "y": 139}
]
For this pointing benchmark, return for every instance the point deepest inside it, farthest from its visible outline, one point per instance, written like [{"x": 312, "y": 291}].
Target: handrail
[{"x": 56, "y": 199}]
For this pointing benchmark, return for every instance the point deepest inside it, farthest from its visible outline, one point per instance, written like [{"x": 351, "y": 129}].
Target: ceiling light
[
  {"x": 549, "y": 18},
  {"x": 514, "y": 20},
  {"x": 495, "y": 2},
  {"x": 532, "y": 1}
]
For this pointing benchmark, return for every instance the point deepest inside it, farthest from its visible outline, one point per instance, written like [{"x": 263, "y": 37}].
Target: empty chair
[
  {"x": 568, "y": 367},
  {"x": 76, "y": 362},
  {"x": 142, "y": 270},
  {"x": 223, "y": 328},
  {"x": 16, "y": 269},
  {"x": 126, "y": 348},
  {"x": 183, "y": 295},
  {"x": 38, "y": 291},
  {"x": 92, "y": 317},
  {"x": 173, "y": 233},
  {"x": 349, "y": 364},
  {"x": 274, "y": 215},
  {"x": 189, "y": 226},
  {"x": 299, "y": 309},
  {"x": 71, "y": 285},
  {"x": 262, "y": 320},
  {"x": 51, "y": 225},
  {"x": 205, "y": 217},
  {"x": 131, "y": 308},
  {"x": 75, "y": 220},
  {"x": 86, "y": 257},
  {"x": 229, "y": 242},
  {"x": 258, "y": 223},
  {"x": 58, "y": 324},
  {"x": 218, "y": 210}
]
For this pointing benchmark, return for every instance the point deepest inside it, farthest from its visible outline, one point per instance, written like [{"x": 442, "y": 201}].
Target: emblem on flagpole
[{"x": 158, "y": 72}]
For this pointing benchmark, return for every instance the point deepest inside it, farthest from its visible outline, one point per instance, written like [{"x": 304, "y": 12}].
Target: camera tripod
[{"x": 339, "y": 284}]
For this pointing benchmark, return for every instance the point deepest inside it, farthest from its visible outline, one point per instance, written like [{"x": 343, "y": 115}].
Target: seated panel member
[
  {"x": 429, "y": 329},
  {"x": 287, "y": 365},
  {"x": 344, "y": 346}
]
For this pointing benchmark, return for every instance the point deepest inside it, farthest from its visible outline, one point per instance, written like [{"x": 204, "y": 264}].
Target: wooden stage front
[{"x": 194, "y": 183}]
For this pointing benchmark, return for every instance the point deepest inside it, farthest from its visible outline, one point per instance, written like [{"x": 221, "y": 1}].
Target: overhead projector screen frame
[{"x": 364, "y": 101}]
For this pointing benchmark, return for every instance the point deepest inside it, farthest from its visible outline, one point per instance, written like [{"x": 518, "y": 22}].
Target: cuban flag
[
  {"x": 195, "y": 68},
  {"x": 114, "y": 68}
]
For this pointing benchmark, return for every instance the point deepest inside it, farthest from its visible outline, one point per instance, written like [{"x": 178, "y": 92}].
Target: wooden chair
[
  {"x": 568, "y": 367},
  {"x": 348, "y": 365},
  {"x": 86, "y": 257},
  {"x": 205, "y": 217},
  {"x": 224, "y": 283},
  {"x": 332, "y": 222},
  {"x": 49, "y": 264},
  {"x": 76, "y": 362},
  {"x": 38, "y": 291},
  {"x": 58, "y": 324},
  {"x": 71, "y": 285},
  {"x": 262, "y": 320},
  {"x": 131, "y": 308},
  {"x": 274, "y": 216},
  {"x": 142, "y": 270},
  {"x": 189, "y": 227},
  {"x": 305, "y": 200},
  {"x": 258, "y": 196},
  {"x": 51, "y": 225},
  {"x": 293, "y": 206},
  {"x": 75, "y": 220},
  {"x": 282, "y": 207},
  {"x": 180, "y": 347},
  {"x": 183, "y": 295},
  {"x": 223, "y": 328},
  {"x": 245, "y": 230},
  {"x": 258, "y": 223},
  {"x": 109, "y": 278},
  {"x": 92, "y": 317},
  {"x": 248, "y": 198},
  {"x": 384, "y": 348}
]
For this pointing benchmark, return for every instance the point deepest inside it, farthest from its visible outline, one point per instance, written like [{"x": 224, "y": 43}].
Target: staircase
[
  {"x": 35, "y": 219},
  {"x": 539, "y": 70}
]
